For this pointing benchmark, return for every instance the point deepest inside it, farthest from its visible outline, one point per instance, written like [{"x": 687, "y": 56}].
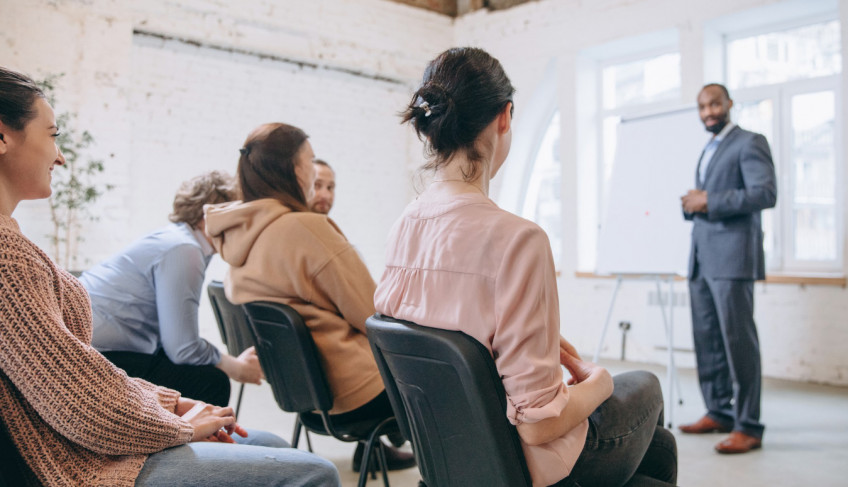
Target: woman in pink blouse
[{"x": 456, "y": 261}]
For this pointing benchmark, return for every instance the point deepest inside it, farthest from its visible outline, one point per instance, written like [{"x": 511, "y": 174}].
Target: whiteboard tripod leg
[
  {"x": 672, "y": 380},
  {"x": 607, "y": 321},
  {"x": 671, "y": 337}
]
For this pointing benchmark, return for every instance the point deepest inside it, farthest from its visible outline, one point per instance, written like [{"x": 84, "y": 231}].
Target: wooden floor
[{"x": 805, "y": 443}]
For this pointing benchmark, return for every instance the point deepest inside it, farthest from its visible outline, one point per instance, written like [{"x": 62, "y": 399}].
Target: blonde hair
[{"x": 206, "y": 189}]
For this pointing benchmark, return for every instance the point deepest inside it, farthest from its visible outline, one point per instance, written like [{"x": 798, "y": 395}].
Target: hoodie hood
[{"x": 235, "y": 226}]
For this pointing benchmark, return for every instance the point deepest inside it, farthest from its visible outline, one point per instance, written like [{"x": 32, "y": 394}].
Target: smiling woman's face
[{"x": 27, "y": 156}]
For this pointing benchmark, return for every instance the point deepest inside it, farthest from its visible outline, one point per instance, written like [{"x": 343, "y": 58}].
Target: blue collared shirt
[
  {"x": 710, "y": 149},
  {"x": 145, "y": 298}
]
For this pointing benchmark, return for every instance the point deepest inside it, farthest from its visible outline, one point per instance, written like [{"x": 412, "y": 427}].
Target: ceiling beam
[
  {"x": 503, "y": 4},
  {"x": 466, "y": 6},
  {"x": 447, "y": 7},
  {"x": 455, "y": 8}
]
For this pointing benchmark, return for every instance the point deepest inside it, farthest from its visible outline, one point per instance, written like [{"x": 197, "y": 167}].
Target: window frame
[
  {"x": 783, "y": 261},
  {"x": 525, "y": 208},
  {"x": 627, "y": 111}
]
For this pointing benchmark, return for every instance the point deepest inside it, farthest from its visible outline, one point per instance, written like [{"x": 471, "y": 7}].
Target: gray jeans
[
  {"x": 626, "y": 443},
  {"x": 262, "y": 459}
]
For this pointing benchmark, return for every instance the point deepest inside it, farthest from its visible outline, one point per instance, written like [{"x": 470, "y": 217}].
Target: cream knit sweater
[{"x": 76, "y": 419}]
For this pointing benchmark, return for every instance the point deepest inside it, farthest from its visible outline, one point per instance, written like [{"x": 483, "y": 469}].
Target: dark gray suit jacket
[{"x": 727, "y": 241}]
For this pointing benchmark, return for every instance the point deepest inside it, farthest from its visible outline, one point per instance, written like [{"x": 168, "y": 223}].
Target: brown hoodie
[{"x": 303, "y": 260}]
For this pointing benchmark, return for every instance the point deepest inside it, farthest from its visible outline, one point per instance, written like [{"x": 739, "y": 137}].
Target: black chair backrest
[
  {"x": 232, "y": 322},
  {"x": 13, "y": 470},
  {"x": 289, "y": 358},
  {"x": 449, "y": 400}
]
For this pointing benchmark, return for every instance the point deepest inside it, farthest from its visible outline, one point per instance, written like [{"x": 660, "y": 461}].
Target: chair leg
[
  {"x": 383, "y": 463},
  {"x": 296, "y": 435},
  {"x": 373, "y": 459},
  {"x": 370, "y": 446},
  {"x": 238, "y": 401},
  {"x": 365, "y": 466}
]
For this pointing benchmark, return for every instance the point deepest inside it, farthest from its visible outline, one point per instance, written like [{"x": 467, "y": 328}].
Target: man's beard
[{"x": 718, "y": 126}]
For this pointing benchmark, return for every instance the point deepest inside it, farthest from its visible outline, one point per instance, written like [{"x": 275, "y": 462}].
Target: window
[
  {"x": 543, "y": 200},
  {"x": 804, "y": 52},
  {"x": 629, "y": 88},
  {"x": 625, "y": 85},
  {"x": 625, "y": 78},
  {"x": 643, "y": 81},
  {"x": 785, "y": 85}
]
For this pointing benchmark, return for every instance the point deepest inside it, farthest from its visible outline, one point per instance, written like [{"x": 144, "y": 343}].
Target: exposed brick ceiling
[{"x": 455, "y": 8}]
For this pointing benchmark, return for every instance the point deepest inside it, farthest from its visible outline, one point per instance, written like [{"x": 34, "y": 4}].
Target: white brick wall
[
  {"x": 163, "y": 110},
  {"x": 192, "y": 108},
  {"x": 170, "y": 90}
]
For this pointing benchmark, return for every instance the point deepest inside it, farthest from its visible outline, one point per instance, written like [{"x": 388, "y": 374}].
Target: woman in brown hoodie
[{"x": 280, "y": 251}]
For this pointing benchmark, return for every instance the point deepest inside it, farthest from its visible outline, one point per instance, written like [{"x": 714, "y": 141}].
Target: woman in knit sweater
[
  {"x": 75, "y": 418},
  {"x": 280, "y": 251}
]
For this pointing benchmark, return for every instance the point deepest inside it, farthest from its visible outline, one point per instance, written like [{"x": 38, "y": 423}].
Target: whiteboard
[{"x": 643, "y": 230}]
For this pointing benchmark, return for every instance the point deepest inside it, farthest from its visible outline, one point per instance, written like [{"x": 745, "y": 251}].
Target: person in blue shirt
[{"x": 145, "y": 301}]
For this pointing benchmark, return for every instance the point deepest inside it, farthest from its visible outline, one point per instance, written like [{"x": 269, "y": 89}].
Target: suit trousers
[{"x": 727, "y": 351}]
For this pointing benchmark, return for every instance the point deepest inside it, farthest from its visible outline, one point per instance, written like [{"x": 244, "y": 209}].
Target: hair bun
[
  {"x": 462, "y": 91},
  {"x": 436, "y": 98},
  {"x": 432, "y": 108}
]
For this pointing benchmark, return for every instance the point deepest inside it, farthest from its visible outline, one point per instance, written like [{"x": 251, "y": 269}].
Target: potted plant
[{"x": 75, "y": 184}]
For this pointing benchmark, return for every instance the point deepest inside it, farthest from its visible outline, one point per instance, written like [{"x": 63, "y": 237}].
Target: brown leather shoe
[
  {"x": 704, "y": 425},
  {"x": 738, "y": 442}
]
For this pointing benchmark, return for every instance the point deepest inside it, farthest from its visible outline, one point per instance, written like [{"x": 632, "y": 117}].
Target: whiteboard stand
[{"x": 672, "y": 380}]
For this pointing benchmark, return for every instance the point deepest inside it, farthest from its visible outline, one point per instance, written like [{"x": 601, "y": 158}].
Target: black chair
[
  {"x": 292, "y": 366},
  {"x": 232, "y": 323},
  {"x": 13, "y": 470},
  {"x": 237, "y": 336},
  {"x": 450, "y": 402}
]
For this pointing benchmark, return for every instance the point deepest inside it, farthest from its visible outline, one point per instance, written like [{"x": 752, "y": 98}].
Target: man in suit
[{"x": 734, "y": 182}]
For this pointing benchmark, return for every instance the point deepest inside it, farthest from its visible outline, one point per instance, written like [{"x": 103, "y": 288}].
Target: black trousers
[
  {"x": 205, "y": 383},
  {"x": 379, "y": 407}
]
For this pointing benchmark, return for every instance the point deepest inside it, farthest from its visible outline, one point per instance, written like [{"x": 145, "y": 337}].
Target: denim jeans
[
  {"x": 262, "y": 459},
  {"x": 626, "y": 443}
]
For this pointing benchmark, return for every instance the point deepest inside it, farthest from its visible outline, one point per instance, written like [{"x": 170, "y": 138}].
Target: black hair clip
[{"x": 244, "y": 151}]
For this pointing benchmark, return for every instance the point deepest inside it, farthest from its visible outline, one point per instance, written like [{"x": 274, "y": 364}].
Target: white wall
[
  {"x": 170, "y": 89},
  {"x": 801, "y": 327}
]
